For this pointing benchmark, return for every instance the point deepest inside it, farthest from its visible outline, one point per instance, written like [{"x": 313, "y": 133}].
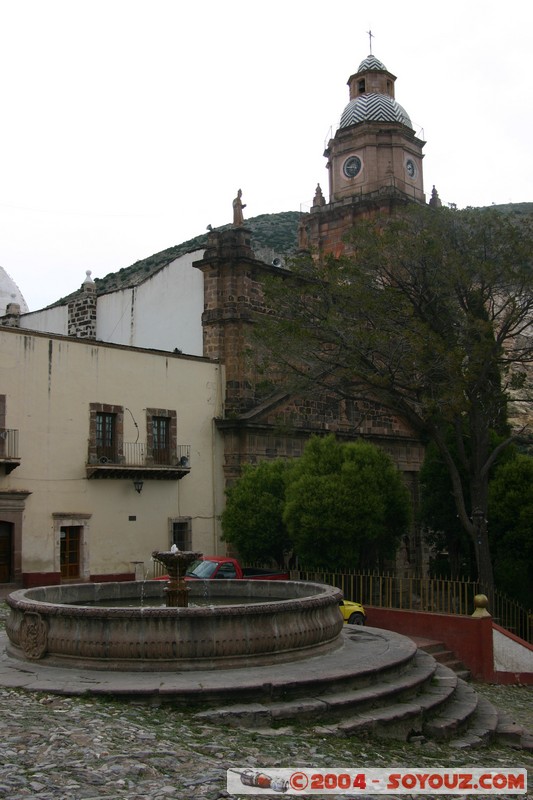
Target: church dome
[
  {"x": 371, "y": 62},
  {"x": 374, "y": 108},
  {"x": 10, "y": 293}
]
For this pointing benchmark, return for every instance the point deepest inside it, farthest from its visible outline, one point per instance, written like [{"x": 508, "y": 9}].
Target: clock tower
[{"x": 374, "y": 160}]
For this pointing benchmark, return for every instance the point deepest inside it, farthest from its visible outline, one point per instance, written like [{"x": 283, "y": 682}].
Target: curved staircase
[
  {"x": 377, "y": 684},
  {"x": 443, "y": 655}
]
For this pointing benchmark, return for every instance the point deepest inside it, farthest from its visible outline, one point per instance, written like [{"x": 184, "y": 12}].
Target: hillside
[{"x": 271, "y": 234}]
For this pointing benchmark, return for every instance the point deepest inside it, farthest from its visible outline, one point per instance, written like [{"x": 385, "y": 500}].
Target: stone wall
[{"x": 82, "y": 312}]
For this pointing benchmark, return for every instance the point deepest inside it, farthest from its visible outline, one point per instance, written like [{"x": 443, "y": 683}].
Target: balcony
[
  {"x": 9, "y": 449},
  {"x": 135, "y": 460}
]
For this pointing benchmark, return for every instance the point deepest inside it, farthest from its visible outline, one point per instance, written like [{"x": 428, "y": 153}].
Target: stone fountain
[
  {"x": 125, "y": 626},
  {"x": 176, "y": 562},
  {"x": 273, "y": 651}
]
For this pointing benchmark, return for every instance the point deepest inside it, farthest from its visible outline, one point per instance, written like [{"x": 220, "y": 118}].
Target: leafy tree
[
  {"x": 511, "y": 528},
  {"x": 438, "y": 516},
  {"x": 253, "y": 517},
  {"x": 438, "y": 512},
  {"x": 428, "y": 317},
  {"x": 346, "y": 504}
]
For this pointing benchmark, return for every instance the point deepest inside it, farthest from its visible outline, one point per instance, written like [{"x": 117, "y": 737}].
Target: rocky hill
[{"x": 272, "y": 235}]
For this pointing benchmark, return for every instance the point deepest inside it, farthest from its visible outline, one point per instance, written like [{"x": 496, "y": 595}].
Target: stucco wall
[
  {"x": 51, "y": 320},
  {"x": 511, "y": 654},
  {"x": 49, "y": 383},
  {"x": 163, "y": 312}
]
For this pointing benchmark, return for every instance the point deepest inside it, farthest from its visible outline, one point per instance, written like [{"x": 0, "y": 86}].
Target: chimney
[
  {"x": 82, "y": 311},
  {"x": 11, "y": 318}
]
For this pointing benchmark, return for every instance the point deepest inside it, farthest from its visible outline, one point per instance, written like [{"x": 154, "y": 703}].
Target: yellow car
[{"x": 352, "y": 613}]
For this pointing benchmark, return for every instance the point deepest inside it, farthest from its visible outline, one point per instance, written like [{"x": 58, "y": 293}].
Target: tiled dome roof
[
  {"x": 374, "y": 108},
  {"x": 371, "y": 62}
]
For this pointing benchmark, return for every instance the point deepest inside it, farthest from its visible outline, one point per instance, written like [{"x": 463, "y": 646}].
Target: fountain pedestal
[{"x": 177, "y": 563}]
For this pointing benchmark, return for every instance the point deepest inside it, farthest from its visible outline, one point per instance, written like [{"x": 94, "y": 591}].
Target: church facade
[{"x": 153, "y": 384}]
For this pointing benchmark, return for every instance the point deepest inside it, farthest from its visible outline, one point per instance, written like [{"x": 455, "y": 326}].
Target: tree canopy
[
  {"x": 428, "y": 315},
  {"x": 337, "y": 505},
  {"x": 511, "y": 527},
  {"x": 346, "y": 505},
  {"x": 252, "y": 519}
]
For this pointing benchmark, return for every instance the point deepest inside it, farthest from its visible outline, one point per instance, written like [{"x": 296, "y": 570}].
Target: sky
[{"x": 127, "y": 126}]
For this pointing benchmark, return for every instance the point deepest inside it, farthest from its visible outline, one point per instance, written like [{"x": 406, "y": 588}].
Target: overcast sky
[{"x": 127, "y": 126}]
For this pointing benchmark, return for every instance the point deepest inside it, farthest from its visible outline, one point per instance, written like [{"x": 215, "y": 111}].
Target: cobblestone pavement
[{"x": 71, "y": 748}]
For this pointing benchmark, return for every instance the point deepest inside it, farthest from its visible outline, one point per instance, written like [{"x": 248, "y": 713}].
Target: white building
[
  {"x": 163, "y": 311},
  {"x": 106, "y": 454}
]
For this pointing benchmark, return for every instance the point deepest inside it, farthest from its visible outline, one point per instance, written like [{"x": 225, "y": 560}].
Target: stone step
[
  {"x": 444, "y": 655},
  {"x": 510, "y": 733},
  {"x": 421, "y": 689},
  {"x": 441, "y": 653},
  {"x": 394, "y": 721},
  {"x": 404, "y": 684},
  {"x": 401, "y": 720},
  {"x": 481, "y": 727},
  {"x": 426, "y": 701},
  {"x": 410, "y": 698},
  {"x": 454, "y": 716},
  {"x": 362, "y": 662}
]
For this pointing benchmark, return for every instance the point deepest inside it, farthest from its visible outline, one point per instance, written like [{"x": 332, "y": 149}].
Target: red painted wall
[
  {"x": 32, "y": 579},
  {"x": 470, "y": 638}
]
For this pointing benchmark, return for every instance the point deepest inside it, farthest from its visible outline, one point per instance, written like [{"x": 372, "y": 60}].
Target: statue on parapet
[
  {"x": 238, "y": 205},
  {"x": 319, "y": 199}
]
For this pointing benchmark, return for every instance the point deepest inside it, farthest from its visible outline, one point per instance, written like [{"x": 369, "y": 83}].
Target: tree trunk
[
  {"x": 475, "y": 524},
  {"x": 480, "y": 537}
]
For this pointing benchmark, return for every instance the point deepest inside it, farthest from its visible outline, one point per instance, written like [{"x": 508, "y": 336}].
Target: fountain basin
[{"x": 292, "y": 620}]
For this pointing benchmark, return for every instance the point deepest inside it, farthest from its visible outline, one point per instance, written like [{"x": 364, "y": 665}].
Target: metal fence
[{"x": 423, "y": 594}]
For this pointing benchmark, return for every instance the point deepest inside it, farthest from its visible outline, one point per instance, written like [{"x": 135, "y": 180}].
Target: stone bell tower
[{"x": 374, "y": 160}]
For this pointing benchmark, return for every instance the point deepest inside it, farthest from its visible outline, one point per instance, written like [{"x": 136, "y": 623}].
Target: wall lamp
[{"x": 138, "y": 486}]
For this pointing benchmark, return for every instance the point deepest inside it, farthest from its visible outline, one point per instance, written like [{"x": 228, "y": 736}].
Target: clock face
[
  {"x": 352, "y": 166},
  {"x": 410, "y": 168}
]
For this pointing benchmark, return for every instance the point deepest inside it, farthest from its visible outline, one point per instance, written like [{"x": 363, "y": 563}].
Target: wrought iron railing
[
  {"x": 9, "y": 443},
  {"x": 138, "y": 454},
  {"x": 423, "y": 594}
]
